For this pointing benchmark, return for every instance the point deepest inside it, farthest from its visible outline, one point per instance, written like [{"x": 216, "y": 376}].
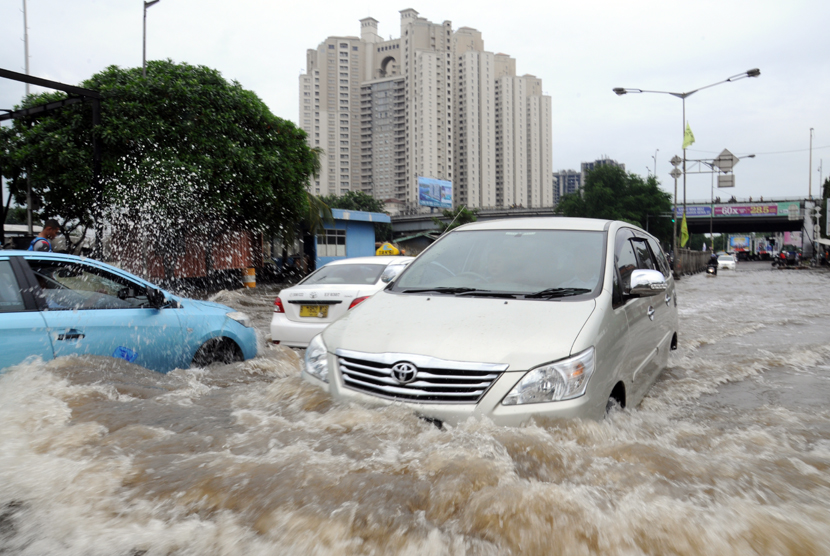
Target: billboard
[
  {"x": 434, "y": 193},
  {"x": 739, "y": 242}
]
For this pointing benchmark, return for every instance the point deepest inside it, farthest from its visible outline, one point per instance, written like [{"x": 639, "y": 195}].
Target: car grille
[{"x": 437, "y": 380}]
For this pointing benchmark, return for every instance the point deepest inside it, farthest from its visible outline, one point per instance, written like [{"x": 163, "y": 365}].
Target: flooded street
[{"x": 729, "y": 454}]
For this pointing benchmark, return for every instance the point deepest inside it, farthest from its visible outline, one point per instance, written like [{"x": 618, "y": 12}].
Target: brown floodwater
[{"x": 729, "y": 454}]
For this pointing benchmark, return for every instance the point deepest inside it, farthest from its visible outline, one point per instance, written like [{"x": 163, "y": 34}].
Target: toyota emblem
[{"x": 404, "y": 372}]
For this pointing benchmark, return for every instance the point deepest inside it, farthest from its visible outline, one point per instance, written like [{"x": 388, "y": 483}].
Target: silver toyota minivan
[{"x": 540, "y": 318}]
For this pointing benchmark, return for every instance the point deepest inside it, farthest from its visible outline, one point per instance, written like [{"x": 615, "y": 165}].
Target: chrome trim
[
  {"x": 421, "y": 361},
  {"x": 437, "y": 380}
]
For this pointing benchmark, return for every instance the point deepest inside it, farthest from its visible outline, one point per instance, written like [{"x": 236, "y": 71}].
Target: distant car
[
  {"x": 53, "y": 305},
  {"x": 727, "y": 262},
  {"x": 303, "y": 311},
  {"x": 510, "y": 320}
]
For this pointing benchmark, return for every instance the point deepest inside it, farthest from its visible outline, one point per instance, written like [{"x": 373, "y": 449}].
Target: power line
[{"x": 770, "y": 152}]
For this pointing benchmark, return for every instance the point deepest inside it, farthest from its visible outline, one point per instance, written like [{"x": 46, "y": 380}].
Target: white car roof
[
  {"x": 542, "y": 223},
  {"x": 379, "y": 259}
]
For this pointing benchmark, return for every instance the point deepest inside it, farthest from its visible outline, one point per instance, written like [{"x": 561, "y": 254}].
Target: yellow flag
[
  {"x": 688, "y": 137},
  {"x": 684, "y": 232}
]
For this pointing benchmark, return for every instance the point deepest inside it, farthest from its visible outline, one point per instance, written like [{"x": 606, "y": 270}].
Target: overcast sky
[{"x": 581, "y": 50}]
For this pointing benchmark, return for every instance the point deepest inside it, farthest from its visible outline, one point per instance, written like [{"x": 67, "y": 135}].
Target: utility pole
[
  {"x": 28, "y": 177},
  {"x": 810, "y": 180}
]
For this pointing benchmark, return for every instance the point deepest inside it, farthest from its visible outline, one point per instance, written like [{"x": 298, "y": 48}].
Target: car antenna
[{"x": 456, "y": 217}]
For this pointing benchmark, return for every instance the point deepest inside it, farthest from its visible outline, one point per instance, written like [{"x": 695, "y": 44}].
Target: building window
[{"x": 332, "y": 243}]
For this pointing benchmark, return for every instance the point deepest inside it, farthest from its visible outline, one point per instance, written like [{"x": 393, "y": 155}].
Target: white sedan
[
  {"x": 303, "y": 311},
  {"x": 727, "y": 262}
]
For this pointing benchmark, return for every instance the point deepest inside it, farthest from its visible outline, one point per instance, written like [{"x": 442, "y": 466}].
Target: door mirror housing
[
  {"x": 646, "y": 283},
  {"x": 156, "y": 298},
  {"x": 391, "y": 273}
]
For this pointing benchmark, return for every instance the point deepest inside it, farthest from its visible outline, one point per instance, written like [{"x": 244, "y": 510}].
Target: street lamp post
[
  {"x": 622, "y": 91},
  {"x": 144, "y": 44},
  {"x": 675, "y": 173}
]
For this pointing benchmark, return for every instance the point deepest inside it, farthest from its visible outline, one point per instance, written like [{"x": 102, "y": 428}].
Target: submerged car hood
[{"x": 520, "y": 333}]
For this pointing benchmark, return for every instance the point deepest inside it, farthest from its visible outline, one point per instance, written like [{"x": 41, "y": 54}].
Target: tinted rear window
[{"x": 353, "y": 274}]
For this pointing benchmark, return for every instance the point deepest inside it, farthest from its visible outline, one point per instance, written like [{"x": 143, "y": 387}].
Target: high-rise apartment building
[
  {"x": 431, "y": 103},
  {"x": 604, "y": 161},
  {"x": 566, "y": 182}
]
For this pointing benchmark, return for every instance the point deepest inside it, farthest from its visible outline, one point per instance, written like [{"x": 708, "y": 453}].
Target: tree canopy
[
  {"x": 182, "y": 148},
  {"x": 612, "y": 194}
]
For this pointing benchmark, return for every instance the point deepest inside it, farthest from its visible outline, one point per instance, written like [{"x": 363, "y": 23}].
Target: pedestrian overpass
[
  {"x": 775, "y": 215},
  {"x": 778, "y": 215}
]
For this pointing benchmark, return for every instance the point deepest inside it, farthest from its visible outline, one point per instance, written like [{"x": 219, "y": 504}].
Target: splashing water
[{"x": 728, "y": 454}]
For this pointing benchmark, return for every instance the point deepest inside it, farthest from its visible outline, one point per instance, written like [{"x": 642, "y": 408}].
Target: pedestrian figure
[{"x": 43, "y": 240}]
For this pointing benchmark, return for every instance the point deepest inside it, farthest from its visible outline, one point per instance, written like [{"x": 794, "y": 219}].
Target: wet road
[{"x": 728, "y": 454}]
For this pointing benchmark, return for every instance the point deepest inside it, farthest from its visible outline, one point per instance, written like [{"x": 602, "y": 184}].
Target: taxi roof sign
[{"x": 387, "y": 249}]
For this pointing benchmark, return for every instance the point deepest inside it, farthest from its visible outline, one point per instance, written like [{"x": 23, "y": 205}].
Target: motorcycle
[{"x": 711, "y": 269}]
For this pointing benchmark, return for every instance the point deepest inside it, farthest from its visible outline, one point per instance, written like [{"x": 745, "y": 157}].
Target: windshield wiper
[
  {"x": 557, "y": 292},
  {"x": 489, "y": 293},
  {"x": 443, "y": 289}
]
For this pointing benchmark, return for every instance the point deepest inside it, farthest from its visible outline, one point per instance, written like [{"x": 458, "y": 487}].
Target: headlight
[
  {"x": 241, "y": 318},
  {"x": 316, "y": 359},
  {"x": 562, "y": 380}
]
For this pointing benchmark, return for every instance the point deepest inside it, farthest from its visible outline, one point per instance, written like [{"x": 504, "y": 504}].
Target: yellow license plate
[{"x": 320, "y": 311}]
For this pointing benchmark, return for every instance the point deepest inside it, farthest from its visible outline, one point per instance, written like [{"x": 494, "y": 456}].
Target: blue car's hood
[{"x": 204, "y": 306}]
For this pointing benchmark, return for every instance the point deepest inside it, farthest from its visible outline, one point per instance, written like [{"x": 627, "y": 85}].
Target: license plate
[{"x": 320, "y": 311}]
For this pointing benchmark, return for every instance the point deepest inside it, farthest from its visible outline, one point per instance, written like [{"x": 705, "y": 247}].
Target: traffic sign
[
  {"x": 725, "y": 161},
  {"x": 726, "y": 180},
  {"x": 793, "y": 212}
]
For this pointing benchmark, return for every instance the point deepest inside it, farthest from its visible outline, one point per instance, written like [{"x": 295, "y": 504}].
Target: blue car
[{"x": 53, "y": 305}]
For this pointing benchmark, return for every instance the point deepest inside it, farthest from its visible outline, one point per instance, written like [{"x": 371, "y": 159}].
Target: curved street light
[
  {"x": 620, "y": 91},
  {"x": 147, "y": 4}
]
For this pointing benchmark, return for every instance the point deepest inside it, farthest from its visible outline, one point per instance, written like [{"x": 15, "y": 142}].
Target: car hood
[
  {"x": 520, "y": 333},
  {"x": 203, "y": 306}
]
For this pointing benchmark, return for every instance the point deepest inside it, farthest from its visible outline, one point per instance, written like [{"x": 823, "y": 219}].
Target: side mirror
[
  {"x": 156, "y": 298},
  {"x": 645, "y": 283},
  {"x": 391, "y": 272}
]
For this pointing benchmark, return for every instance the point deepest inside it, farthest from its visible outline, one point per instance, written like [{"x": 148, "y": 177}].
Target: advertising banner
[
  {"x": 693, "y": 211},
  {"x": 739, "y": 242},
  {"x": 434, "y": 193},
  {"x": 746, "y": 210},
  {"x": 732, "y": 210}
]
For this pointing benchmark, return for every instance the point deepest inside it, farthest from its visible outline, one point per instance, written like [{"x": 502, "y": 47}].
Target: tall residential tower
[{"x": 432, "y": 103}]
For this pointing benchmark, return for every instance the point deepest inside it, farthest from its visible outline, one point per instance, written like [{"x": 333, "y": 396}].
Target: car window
[
  {"x": 72, "y": 286},
  {"x": 662, "y": 262},
  {"x": 10, "y": 298},
  {"x": 624, "y": 257},
  {"x": 352, "y": 274},
  {"x": 644, "y": 258}
]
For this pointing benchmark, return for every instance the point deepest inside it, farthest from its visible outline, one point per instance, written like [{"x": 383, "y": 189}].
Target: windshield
[
  {"x": 355, "y": 274},
  {"x": 522, "y": 262},
  {"x": 725, "y": 258}
]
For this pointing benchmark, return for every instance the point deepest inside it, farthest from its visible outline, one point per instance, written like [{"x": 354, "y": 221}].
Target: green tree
[
  {"x": 612, "y": 194},
  {"x": 184, "y": 151},
  {"x": 358, "y": 200},
  {"x": 457, "y": 216}
]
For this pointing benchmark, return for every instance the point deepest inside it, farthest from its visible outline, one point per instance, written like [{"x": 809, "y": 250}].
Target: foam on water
[{"x": 99, "y": 456}]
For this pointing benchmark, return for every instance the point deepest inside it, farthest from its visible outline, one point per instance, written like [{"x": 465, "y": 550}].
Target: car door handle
[
  {"x": 70, "y": 335},
  {"x": 668, "y": 300},
  {"x": 650, "y": 312}
]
